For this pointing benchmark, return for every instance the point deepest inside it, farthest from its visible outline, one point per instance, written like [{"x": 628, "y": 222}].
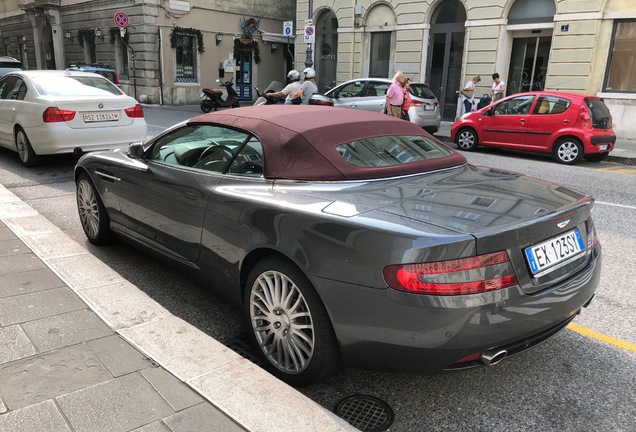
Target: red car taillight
[
  {"x": 417, "y": 103},
  {"x": 135, "y": 112},
  {"x": 585, "y": 118},
  {"x": 454, "y": 277},
  {"x": 56, "y": 115}
]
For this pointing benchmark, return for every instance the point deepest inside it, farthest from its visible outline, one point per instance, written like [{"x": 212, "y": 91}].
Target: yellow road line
[
  {"x": 620, "y": 170},
  {"x": 601, "y": 337}
]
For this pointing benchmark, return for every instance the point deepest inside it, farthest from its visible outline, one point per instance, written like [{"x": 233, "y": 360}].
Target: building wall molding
[{"x": 588, "y": 16}]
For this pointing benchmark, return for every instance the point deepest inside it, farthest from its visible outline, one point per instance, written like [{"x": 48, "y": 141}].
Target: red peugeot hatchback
[{"x": 569, "y": 126}]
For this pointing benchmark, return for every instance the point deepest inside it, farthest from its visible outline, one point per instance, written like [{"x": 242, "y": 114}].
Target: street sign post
[{"x": 121, "y": 19}]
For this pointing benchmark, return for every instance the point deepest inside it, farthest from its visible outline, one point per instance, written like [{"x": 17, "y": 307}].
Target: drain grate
[
  {"x": 243, "y": 346},
  {"x": 367, "y": 413}
]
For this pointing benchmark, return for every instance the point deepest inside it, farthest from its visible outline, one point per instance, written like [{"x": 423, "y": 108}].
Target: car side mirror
[{"x": 136, "y": 150}]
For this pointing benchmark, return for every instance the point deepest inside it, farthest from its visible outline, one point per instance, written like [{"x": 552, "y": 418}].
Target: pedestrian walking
[
  {"x": 407, "y": 100},
  {"x": 498, "y": 87},
  {"x": 395, "y": 96},
  {"x": 468, "y": 93}
]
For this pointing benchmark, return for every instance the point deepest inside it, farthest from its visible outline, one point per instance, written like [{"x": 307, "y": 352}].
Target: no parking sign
[
  {"x": 310, "y": 35},
  {"x": 121, "y": 20}
]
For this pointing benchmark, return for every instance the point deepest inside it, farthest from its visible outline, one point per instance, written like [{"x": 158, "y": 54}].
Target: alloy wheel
[
  {"x": 466, "y": 140},
  {"x": 282, "y": 322},
  {"x": 88, "y": 208}
]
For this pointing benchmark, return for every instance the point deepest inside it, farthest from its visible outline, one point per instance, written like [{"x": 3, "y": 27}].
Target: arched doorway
[
  {"x": 326, "y": 49},
  {"x": 530, "y": 51},
  {"x": 445, "y": 56}
]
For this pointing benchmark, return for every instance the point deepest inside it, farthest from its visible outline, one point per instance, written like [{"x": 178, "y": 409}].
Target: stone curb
[{"x": 253, "y": 398}]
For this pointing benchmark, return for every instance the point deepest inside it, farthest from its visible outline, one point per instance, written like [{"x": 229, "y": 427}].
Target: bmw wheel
[
  {"x": 568, "y": 151},
  {"x": 467, "y": 139},
  {"x": 288, "y": 323},
  {"x": 92, "y": 213},
  {"x": 25, "y": 150}
]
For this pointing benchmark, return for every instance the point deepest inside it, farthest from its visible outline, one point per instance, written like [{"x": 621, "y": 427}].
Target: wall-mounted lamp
[
  {"x": 218, "y": 38},
  {"x": 24, "y": 39},
  {"x": 99, "y": 34},
  {"x": 274, "y": 47},
  {"x": 68, "y": 35}
]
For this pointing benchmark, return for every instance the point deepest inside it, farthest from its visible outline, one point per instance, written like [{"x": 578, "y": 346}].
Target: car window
[
  {"x": 204, "y": 147},
  {"x": 599, "y": 112},
  {"x": 353, "y": 89},
  {"x": 391, "y": 150},
  {"x": 249, "y": 160},
  {"x": 518, "y": 105},
  {"x": 377, "y": 88},
  {"x": 75, "y": 86},
  {"x": 3, "y": 84},
  {"x": 15, "y": 89},
  {"x": 421, "y": 91},
  {"x": 551, "y": 105}
]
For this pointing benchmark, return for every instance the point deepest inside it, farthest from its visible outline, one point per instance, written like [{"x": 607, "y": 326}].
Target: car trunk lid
[{"x": 91, "y": 113}]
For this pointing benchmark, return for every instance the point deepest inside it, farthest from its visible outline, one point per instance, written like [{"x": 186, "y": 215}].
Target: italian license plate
[
  {"x": 549, "y": 254},
  {"x": 429, "y": 107},
  {"x": 105, "y": 116},
  {"x": 603, "y": 147}
]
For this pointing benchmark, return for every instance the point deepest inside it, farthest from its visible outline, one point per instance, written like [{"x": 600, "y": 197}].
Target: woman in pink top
[{"x": 407, "y": 100}]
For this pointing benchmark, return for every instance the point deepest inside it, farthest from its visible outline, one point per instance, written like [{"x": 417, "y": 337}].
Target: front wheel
[
  {"x": 92, "y": 213},
  {"x": 207, "y": 105},
  {"x": 467, "y": 139},
  {"x": 568, "y": 151},
  {"x": 288, "y": 324},
  {"x": 25, "y": 150}
]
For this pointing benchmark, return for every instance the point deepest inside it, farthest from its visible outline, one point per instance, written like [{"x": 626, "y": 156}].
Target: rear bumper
[
  {"x": 423, "y": 118},
  {"x": 394, "y": 331},
  {"x": 58, "y": 138}
]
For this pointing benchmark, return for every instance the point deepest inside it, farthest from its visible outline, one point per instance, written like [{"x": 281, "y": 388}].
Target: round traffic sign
[
  {"x": 309, "y": 30},
  {"x": 287, "y": 31},
  {"x": 121, "y": 19}
]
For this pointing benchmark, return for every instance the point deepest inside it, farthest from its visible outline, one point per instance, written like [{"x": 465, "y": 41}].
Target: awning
[{"x": 279, "y": 38}]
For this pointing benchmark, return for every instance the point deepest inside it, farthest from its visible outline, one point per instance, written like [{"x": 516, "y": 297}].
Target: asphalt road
[{"x": 574, "y": 382}]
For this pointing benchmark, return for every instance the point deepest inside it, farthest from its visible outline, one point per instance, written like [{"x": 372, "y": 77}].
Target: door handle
[
  {"x": 189, "y": 195},
  {"x": 566, "y": 121}
]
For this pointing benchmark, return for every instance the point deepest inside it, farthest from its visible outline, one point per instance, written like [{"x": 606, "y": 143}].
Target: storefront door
[
  {"x": 528, "y": 64},
  {"x": 244, "y": 75}
]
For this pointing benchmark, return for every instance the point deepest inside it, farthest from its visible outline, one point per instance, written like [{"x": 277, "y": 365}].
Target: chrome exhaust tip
[{"x": 494, "y": 356}]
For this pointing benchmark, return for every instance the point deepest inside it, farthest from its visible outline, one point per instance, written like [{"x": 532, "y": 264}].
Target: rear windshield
[
  {"x": 107, "y": 74},
  {"x": 391, "y": 150},
  {"x": 599, "y": 112},
  {"x": 75, "y": 86},
  {"x": 422, "y": 91}
]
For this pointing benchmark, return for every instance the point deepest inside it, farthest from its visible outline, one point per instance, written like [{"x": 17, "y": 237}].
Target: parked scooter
[
  {"x": 264, "y": 98},
  {"x": 214, "y": 97}
]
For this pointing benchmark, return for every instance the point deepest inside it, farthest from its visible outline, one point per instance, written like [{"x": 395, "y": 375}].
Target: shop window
[
  {"x": 186, "y": 52},
  {"x": 621, "y": 72}
]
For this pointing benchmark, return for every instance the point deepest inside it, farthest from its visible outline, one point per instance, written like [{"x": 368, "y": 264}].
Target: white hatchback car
[{"x": 48, "y": 112}]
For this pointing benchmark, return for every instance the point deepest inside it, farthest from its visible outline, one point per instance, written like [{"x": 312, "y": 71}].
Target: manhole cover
[{"x": 367, "y": 413}]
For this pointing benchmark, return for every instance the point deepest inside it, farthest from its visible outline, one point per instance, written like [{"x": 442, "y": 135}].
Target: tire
[
  {"x": 568, "y": 151},
  {"x": 25, "y": 150},
  {"x": 299, "y": 350},
  {"x": 207, "y": 106},
  {"x": 596, "y": 157},
  {"x": 431, "y": 129},
  {"x": 92, "y": 213},
  {"x": 467, "y": 139}
]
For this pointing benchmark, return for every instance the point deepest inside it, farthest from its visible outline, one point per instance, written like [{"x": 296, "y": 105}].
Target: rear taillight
[
  {"x": 417, "y": 103},
  {"x": 135, "y": 112},
  {"x": 585, "y": 118},
  {"x": 56, "y": 115},
  {"x": 592, "y": 238},
  {"x": 454, "y": 277},
  {"x": 320, "y": 102}
]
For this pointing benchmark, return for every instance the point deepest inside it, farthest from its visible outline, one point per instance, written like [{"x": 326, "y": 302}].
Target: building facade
[
  {"x": 583, "y": 46},
  {"x": 168, "y": 49}
]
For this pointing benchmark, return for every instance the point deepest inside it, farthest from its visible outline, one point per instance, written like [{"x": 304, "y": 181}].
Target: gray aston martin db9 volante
[{"x": 351, "y": 238}]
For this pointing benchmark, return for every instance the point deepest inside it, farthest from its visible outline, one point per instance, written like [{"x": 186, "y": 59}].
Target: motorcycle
[
  {"x": 264, "y": 98},
  {"x": 214, "y": 97}
]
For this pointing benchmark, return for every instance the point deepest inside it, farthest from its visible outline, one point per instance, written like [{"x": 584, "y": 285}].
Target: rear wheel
[
  {"x": 568, "y": 151},
  {"x": 467, "y": 139},
  {"x": 288, "y": 323},
  {"x": 207, "y": 106},
  {"x": 25, "y": 150},
  {"x": 92, "y": 213},
  {"x": 596, "y": 157}
]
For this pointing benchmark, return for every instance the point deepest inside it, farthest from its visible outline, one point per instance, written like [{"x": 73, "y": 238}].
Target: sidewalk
[
  {"x": 624, "y": 150},
  {"x": 82, "y": 349}
]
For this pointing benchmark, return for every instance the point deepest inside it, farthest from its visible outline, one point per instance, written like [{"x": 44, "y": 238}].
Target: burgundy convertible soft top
[{"x": 299, "y": 141}]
